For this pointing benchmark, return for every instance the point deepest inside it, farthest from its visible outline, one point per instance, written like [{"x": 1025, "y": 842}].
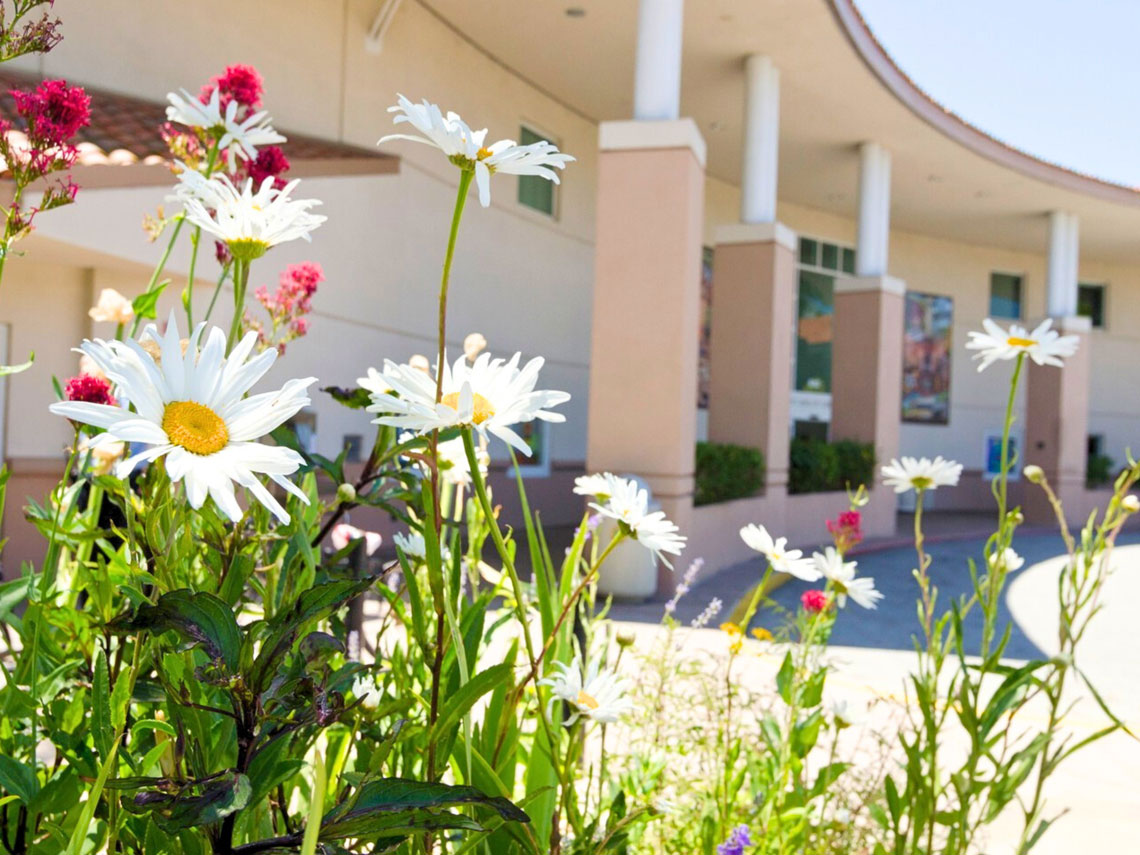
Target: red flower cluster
[
  {"x": 241, "y": 83},
  {"x": 89, "y": 388},
  {"x": 54, "y": 112},
  {"x": 814, "y": 601},
  {"x": 847, "y": 530},
  {"x": 288, "y": 305},
  {"x": 269, "y": 163}
]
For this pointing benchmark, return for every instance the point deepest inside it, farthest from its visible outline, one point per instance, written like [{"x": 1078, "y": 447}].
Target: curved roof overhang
[{"x": 839, "y": 88}]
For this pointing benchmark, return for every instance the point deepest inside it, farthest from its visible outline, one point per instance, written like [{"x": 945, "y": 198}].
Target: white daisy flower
[
  {"x": 489, "y": 395},
  {"x": 629, "y": 505},
  {"x": 1044, "y": 346},
  {"x": 191, "y": 408},
  {"x": 841, "y": 575},
  {"x": 1010, "y": 560},
  {"x": 597, "y": 695},
  {"x": 365, "y": 690},
  {"x": 236, "y": 138},
  {"x": 344, "y": 534},
  {"x": 782, "y": 559},
  {"x": 598, "y": 486},
  {"x": 910, "y": 473},
  {"x": 413, "y": 546},
  {"x": 842, "y": 714},
  {"x": 467, "y": 150},
  {"x": 248, "y": 222},
  {"x": 374, "y": 383}
]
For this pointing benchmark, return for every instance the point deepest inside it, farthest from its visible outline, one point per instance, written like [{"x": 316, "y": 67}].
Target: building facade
[{"x": 769, "y": 231}]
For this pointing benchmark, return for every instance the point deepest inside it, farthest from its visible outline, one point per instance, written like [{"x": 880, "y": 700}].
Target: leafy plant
[{"x": 725, "y": 472}]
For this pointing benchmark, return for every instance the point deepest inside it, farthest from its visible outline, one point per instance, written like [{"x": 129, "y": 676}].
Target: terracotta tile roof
[{"x": 125, "y": 130}]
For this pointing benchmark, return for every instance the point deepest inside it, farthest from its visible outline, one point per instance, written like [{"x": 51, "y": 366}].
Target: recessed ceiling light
[{"x": 575, "y": 12}]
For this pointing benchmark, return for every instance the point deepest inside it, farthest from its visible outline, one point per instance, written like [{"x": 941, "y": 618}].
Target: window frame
[
  {"x": 1022, "y": 290},
  {"x": 537, "y": 468},
  {"x": 1103, "y": 286},
  {"x": 554, "y": 215}
]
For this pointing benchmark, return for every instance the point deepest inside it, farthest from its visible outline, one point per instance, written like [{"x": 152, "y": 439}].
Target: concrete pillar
[
  {"x": 753, "y": 319},
  {"x": 874, "y": 226},
  {"x": 1057, "y": 427},
  {"x": 647, "y": 275},
  {"x": 657, "y": 77},
  {"x": 866, "y": 362},
  {"x": 1064, "y": 257},
  {"x": 761, "y": 140}
]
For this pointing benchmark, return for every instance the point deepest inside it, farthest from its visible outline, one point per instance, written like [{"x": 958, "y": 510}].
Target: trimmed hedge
[
  {"x": 817, "y": 466},
  {"x": 726, "y": 472}
]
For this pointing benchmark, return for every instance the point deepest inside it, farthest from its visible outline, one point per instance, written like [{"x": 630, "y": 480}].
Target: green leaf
[
  {"x": 18, "y": 779},
  {"x": 784, "y": 678},
  {"x": 87, "y": 811},
  {"x": 102, "y": 730},
  {"x": 217, "y": 800},
  {"x": 463, "y": 699},
  {"x": 397, "y": 806},
  {"x": 145, "y": 304},
  {"x": 200, "y": 618},
  {"x": 355, "y": 398}
]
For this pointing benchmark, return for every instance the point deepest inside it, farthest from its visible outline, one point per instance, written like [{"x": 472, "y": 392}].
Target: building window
[
  {"x": 1090, "y": 304},
  {"x": 536, "y": 434},
  {"x": 820, "y": 262},
  {"x": 1005, "y": 296},
  {"x": 534, "y": 190}
]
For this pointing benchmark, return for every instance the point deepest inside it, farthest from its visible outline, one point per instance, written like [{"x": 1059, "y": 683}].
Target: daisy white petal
[
  {"x": 467, "y": 149},
  {"x": 782, "y": 559},
  {"x": 840, "y": 575},
  {"x": 185, "y": 411},
  {"x": 911, "y": 473},
  {"x": 590, "y": 692},
  {"x": 1044, "y": 345},
  {"x": 489, "y": 395},
  {"x": 629, "y": 505}
]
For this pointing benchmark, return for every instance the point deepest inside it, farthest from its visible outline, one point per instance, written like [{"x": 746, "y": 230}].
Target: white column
[
  {"x": 657, "y": 81},
  {"x": 761, "y": 140},
  {"x": 1064, "y": 259},
  {"x": 874, "y": 229}
]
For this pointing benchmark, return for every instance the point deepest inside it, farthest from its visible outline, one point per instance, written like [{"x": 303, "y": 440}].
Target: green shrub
[
  {"x": 817, "y": 466},
  {"x": 1098, "y": 471},
  {"x": 726, "y": 472}
]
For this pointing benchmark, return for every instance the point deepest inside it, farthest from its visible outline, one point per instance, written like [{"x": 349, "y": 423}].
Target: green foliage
[
  {"x": 817, "y": 466},
  {"x": 725, "y": 472}
]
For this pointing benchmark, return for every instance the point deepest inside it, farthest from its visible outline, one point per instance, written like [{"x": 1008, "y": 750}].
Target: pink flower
[
  {"x": 342, "y": 535},
  {"x": 847, "y": 530},
  {"x": 271, "y": 162},
  {"x": 241, "y": 83},
  {"x": 814, "y": 601},
  {"x": 287, "y": 306},
  {"x": 91, "y": 389},
  {"x": 54, "y": 111}
]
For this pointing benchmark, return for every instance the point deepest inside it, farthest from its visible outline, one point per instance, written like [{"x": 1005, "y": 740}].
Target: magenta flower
[
  {"x": 241, "y": 83},
  {"x": 54, "y": 111},
  {"x": 270, "y": 162},
  {"x": 90, "y": 389},
  {"x": 846, "y": 530},
  {"x": 814, "y": 601}
]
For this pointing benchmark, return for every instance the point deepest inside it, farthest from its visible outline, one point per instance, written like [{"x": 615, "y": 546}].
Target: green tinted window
[
  {"x": 808, "y": 251},
  {"x": 813, "y": 331},
  {"x": 534, "y": 190},
  {"x": 829, "y": 256},
  {"x": 848, "y": 260},
  {"x": 1005, "y": 296},
  {"x": 1090, "y": 303}
]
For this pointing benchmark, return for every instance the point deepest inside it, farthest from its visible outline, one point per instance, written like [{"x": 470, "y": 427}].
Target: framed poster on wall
[{"x": 929, "y": 320}]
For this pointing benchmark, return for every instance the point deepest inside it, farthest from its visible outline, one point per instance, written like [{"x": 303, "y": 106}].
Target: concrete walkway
[{"x": 872, "y": 652}]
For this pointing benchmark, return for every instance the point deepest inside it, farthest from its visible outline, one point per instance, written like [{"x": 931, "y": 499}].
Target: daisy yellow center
[
  {"x": 1014, "y": 341},
  {"x": 483, "y": 153},
  {"x": 921, "y": 482},
  {"x": 481, "y": 411},
  {"x": 247, "y": 249},
  {"x": 195, "y": 427},
  {"x": 586, "y": 701}
]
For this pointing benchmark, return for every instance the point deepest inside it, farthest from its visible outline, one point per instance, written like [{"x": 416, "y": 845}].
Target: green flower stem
[
  {"x": 217, "y": 290},
  {"x": 158, "y": 270},
  {"x": 196, "y": 239},
  {"x": 241, "y": 280}
]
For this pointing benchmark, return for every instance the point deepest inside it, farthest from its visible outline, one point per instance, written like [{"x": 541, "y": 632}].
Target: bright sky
[{"x": 1057, "y": 78}]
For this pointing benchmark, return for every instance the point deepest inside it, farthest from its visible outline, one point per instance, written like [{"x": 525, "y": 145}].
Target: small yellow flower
[
  {"x": 731, "y": 628},
  {"x": 761, "y": 634}
]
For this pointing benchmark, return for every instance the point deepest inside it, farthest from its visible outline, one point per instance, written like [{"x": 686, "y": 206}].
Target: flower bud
[
  {"x": 473, "y": 345},
  {"x": 345, "y": 493},
  {"x": 1130, "y": 504},
  {"x": 625, "y": 639},
  {"x": 1034, "y": 473},
  {"x": 111, "y": 307},
  {"x": 421, "y": 362}
]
